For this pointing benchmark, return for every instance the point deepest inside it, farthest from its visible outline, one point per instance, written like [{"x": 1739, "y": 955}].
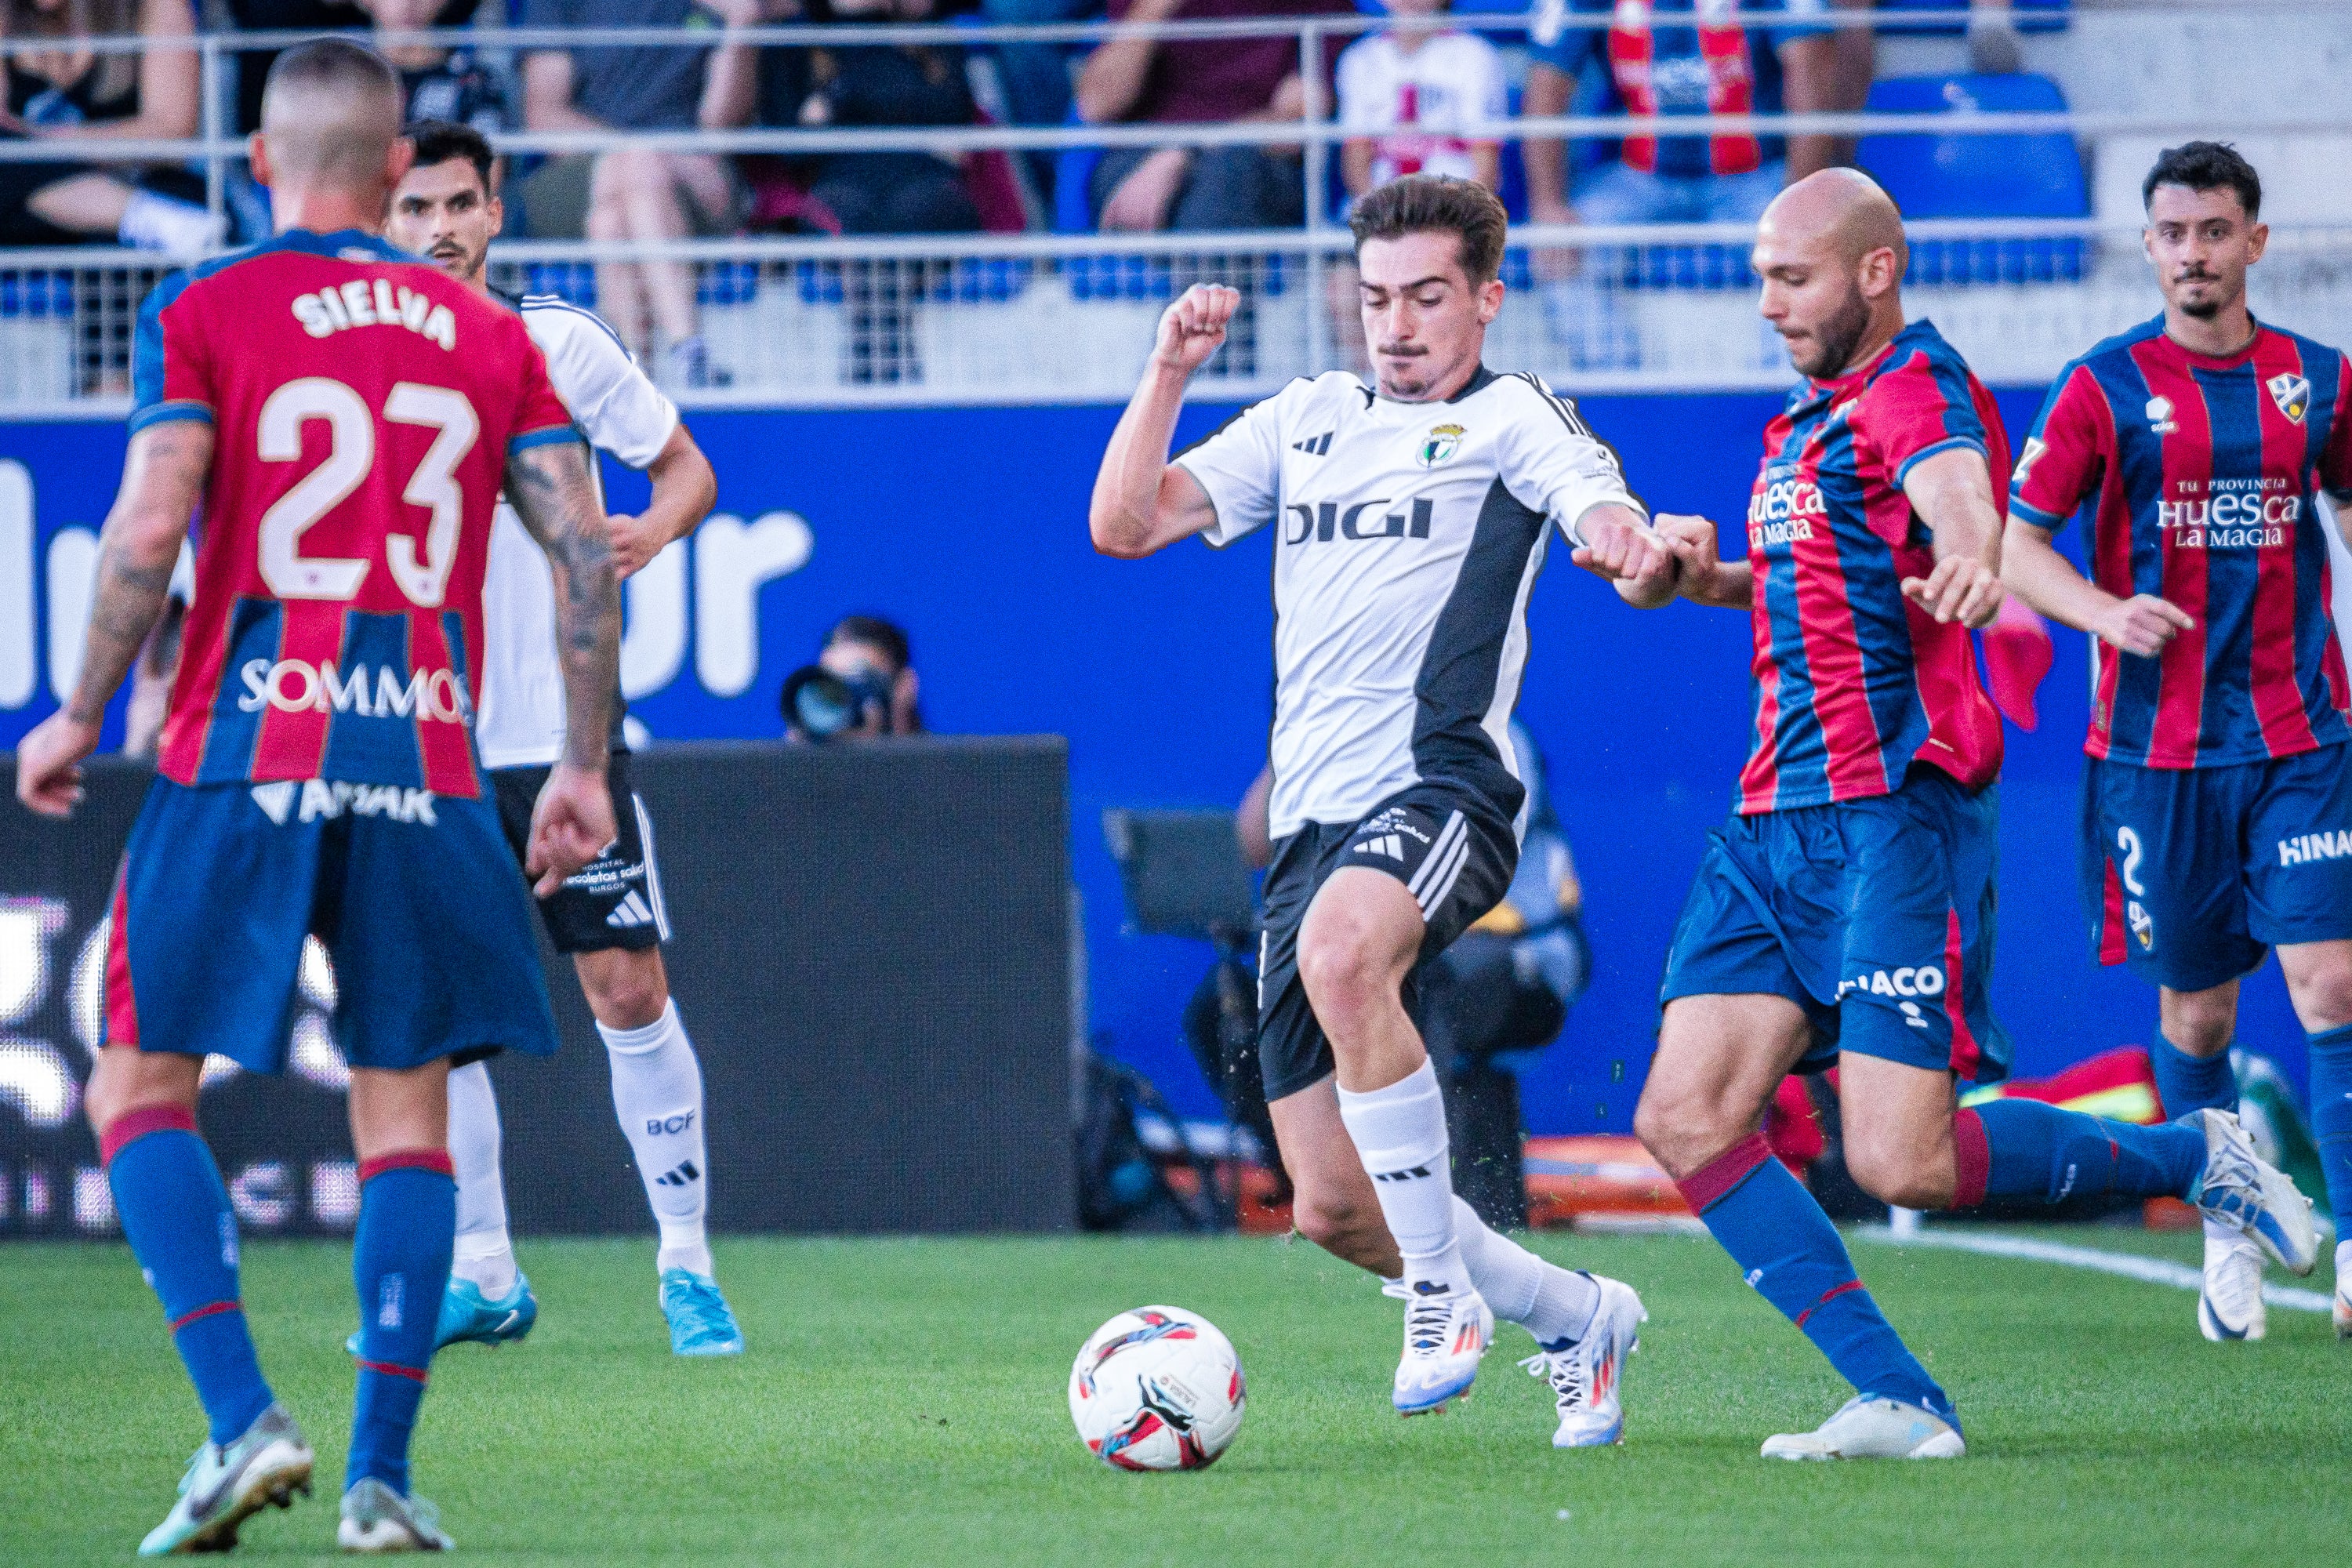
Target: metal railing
[{"x": 1004, "y": 318}]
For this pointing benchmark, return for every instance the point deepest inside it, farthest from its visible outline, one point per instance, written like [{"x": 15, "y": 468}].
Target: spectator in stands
[
  {"x": 1194, "y": 81},
  {"x": 62, "y": 92},
  {"x": 1681, "y": 57},
  {"x": 436, "y": 83},
  {"x": 1036, "y": 77},
  {"x": 1427, "y": 100},
  {"x": 896, "y": 85},
  {"x": 638, "y": 193}
]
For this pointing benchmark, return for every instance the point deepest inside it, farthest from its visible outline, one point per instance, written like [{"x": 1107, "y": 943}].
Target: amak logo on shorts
[{"x": 297, "y": 686}]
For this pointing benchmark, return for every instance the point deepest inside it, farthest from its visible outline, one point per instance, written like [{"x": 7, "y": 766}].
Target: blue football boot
[
  {"x": 467, "y": 1314},
  {"x": 700, "y": 1320}
]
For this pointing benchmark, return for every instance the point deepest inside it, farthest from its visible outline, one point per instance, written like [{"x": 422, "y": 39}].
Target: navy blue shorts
[
  {"x": 2193, "y": 875},
  {"x": 1875, "y": 916},
  {"x": 415, "y": 897}
]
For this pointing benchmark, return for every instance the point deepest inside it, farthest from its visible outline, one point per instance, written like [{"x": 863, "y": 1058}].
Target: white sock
[
  {"x": 658, "y": 1091},
  {"x": 485, "y": 1252},
  {"x": 1400, "y": 1132},
  {"x": 1552, "y": 1303}
]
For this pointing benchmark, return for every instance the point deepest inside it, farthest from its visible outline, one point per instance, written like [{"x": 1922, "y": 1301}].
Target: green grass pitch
[{"x": 903, "y": 1403}]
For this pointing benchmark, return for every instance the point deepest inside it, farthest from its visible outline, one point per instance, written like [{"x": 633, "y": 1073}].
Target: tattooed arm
[
  {"x": 163, "y": 478},
  {"x": 554, "y": 494}
]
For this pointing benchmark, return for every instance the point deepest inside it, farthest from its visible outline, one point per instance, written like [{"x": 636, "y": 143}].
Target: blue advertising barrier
[{"x": 968, "y": 526}]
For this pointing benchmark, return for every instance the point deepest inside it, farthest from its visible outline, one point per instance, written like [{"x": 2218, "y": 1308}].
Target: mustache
[{"x": 1405, "y": 351}]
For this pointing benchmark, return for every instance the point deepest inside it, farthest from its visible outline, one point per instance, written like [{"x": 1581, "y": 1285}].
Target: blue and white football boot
[
  {"x": 267, "y": 1463},
  {"x": 1866, "y": 1428},
  {"x": 2229, "y": 1306},
  {"x": 1445, "y": 1333},
  {"x": 2243, "y": 1192},
  {"x": 2343, "y": 1311},
  {"x": 700, "y": 1323},
  {"x": 467, "y": 1314},
  {"x": 377, "y": 1520},
  {"x": 1584, "y": 1374}
]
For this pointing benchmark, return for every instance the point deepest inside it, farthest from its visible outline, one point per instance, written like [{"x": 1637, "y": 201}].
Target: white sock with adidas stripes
[{"x": 657, "y": 1092}]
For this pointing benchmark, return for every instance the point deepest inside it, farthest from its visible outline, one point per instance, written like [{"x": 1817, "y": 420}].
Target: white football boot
[
  {"x": 267, "y": 1463},
  {"x": 1584, "y": 1375},
  {"x": 2245, "y": 1194},
  {"x": 1873, "y": 1429},
  {"x": 378, "y": 1520},
  {"x": 1445, "y": 1333},
  {"x": 2230, "y": 1307}
]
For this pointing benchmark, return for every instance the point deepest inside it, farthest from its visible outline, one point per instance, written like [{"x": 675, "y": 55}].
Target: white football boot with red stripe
[
  {"x": 1584, "y": 1373},
  {"x": 1445, "y": 1333}
]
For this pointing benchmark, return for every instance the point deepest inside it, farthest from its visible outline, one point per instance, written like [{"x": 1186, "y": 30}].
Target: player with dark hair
[
  {"x": 1412, "y": 517},
  {"x": 2217, "y": 793},
  {"x": 609, "y": 915},
  {"x": 1844, "y": 913},
  {"x": 343, "y": 418}
]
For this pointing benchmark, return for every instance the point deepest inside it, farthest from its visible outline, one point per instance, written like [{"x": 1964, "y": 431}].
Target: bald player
[
  {"x": 1844, "y": 915},
  {"x": 344, "y": 418}
]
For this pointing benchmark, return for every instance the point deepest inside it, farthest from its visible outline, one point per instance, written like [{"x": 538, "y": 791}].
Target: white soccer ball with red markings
[{"x": 1157, "y": 1388}]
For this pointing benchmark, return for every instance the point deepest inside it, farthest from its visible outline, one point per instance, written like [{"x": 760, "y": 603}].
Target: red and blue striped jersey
[
  {"x": 1852, "y": 682},
  {"x": 363, "y": 407},
  {"x": 2200, "y": 476}
]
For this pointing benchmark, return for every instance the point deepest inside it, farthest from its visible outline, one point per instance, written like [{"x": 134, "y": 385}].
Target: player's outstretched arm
[
  {"x": 1142, "y": 502},
  {"x": 163, "y": 479},
  {"x": 1952, "y": 493},
  {"x": 1706, "y": 578},
  {"x": 554, "y": 494},
  {"x": 2035, "y": 572},
  {"x": 685, "y": 489},
  {"x": 1618, "y": 543}
]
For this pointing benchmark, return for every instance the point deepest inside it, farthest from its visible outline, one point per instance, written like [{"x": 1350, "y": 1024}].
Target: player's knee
[
  {"x": 626, "y": 989},
  {"x": 1337, "y": 966},
  {"x": 1896, "y": 1173},
  {"x": 2200, "y": 1023},
  {"x": 1683, "y": 1131},
  {"x": 2322, "y": 995}
]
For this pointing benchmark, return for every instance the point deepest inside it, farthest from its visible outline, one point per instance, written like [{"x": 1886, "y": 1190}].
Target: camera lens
[{"x": 821, "y": 704}]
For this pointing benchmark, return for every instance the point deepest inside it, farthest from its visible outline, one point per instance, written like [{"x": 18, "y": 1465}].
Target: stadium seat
[
  {"x": 2031, "y": 16},
  {"x": 1074, "y": 173},
  {"x": 2036, "y": 174}
]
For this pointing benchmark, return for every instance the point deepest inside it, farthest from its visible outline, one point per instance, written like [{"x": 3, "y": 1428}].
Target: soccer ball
[{"x": 1157, "y": 1388}]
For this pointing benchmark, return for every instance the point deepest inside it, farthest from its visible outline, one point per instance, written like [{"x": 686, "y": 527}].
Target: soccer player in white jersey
[
  {"x": 1411, "y": 518},
  {"x": 609, "y": 916}
]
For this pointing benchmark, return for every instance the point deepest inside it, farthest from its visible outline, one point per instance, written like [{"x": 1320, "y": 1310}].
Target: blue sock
[
  {"x": 400, "y": 1262},
  {"x": 2186, "y": 1083},
  {"x": 2331, "y": 1118},
  {"x": 175, "y": 1212},
  {"x": 1791, "y": 1254},
  {"x": 2024, "y": 1149}
]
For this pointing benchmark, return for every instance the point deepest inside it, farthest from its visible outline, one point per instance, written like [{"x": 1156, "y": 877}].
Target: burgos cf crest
[
  {"x": 2291, "y": 393},
  {"x": 1442, "y": 443}
]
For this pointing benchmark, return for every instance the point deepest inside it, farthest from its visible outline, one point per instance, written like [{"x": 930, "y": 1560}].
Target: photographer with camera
[{"x": 862, "y": 684}]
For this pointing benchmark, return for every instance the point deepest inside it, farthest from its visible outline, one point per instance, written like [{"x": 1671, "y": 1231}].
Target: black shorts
[
  {"x": 1454, "y": 851},
  {"x": 614, "y": 900}
]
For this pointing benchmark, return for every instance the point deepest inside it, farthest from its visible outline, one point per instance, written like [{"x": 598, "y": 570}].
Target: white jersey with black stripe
[
  {"x": 619, "y": 410},
  {"x": 1409, "y": 536}
]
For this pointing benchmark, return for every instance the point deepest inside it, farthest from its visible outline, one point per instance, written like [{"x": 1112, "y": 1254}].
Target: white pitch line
[{"x": 2153, "y": 1270}]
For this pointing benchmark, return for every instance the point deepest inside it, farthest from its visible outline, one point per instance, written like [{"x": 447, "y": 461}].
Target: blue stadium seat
[
  {"x": 574, "y": 281},
  {"x": 1074, "y": 173},
  {"x": 2031, "y": 16},
  {"x": 1949, "y": 176},
  {"x": 36, "y": 296}
]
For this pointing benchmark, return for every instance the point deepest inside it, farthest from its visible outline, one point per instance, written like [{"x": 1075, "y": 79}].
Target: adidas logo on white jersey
[
  {"x": 633, "y": 911},
  {"x": 1389, "y": 844}
]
